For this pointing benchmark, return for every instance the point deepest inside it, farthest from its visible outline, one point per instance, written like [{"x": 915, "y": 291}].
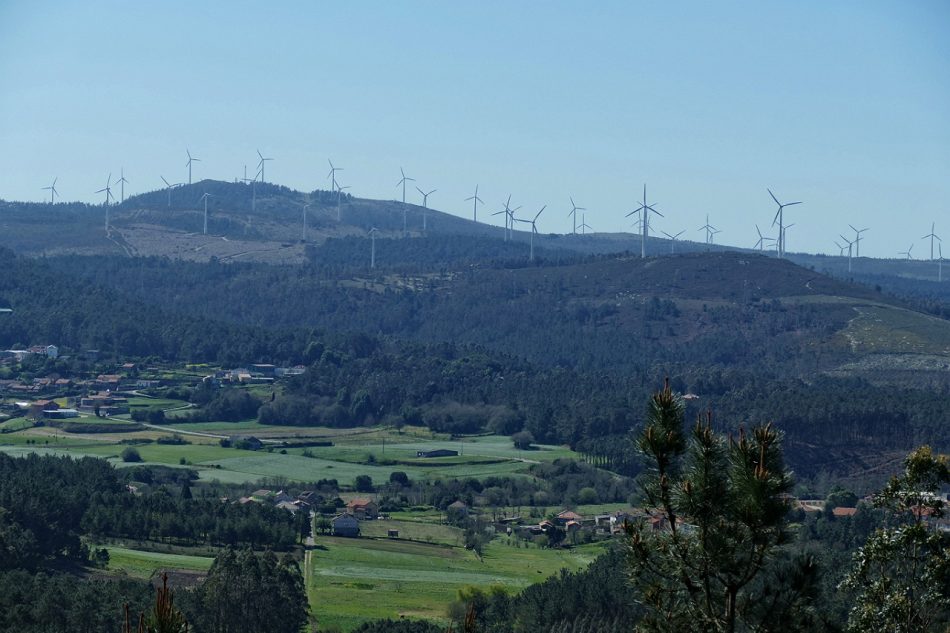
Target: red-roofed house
[{"x": 362, "y": 508}]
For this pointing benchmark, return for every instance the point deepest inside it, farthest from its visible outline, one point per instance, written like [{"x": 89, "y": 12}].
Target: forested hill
[
  {"x": 761, "y": 351},
  {"x": 619, "y": 313}
]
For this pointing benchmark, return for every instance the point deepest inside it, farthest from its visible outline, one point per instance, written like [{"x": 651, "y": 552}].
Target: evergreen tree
[{"x": 720, "y": 515}]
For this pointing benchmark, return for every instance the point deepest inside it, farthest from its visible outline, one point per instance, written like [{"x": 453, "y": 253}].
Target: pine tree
[{"x": 719, "y": 515}]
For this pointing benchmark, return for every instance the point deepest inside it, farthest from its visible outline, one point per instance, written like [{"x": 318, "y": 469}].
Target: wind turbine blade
[
  {"x": 791, "y": 203},
  {"x": 773, "y": 197},
  {"x": 540, "y": 212}
]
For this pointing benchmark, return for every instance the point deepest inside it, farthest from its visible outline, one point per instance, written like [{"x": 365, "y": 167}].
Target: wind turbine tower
[
  {"x": 534, "y": 229},
  {"x": 940, "y": 263},
  {"x": 762, "y": 240},
  {"x": 403, "y": 181},
  {"x": 191, "y": 159},
  {"x": 122, "y": 180},
  {"x": 672, "y": 238},
  {"x": 108, "y": 191},
  {"x": 372, "y": 256},
  {"x": 261, "y": 163},
  {"x": 933, "y": 236},
  {"x": 425, "y": 204},
  {"x": 339, "y": 194},
  {"x": 168, "y": 188},
  {"x": 584, "y": 224},
  {"x": 780, "y": 219},
  {"x": 573, "y": 213},
  {"x": 52, "y": 191},
  {"x": 331, "y": 175},
  {"x": 644, "y": 210},
  {"x": 850, "y": 244},
  {"x": 475, "y": 202},
  {"x": 710, "y": 230},
  {"x": 205, "y": 198},
  {"x": 857, "y": 240}
]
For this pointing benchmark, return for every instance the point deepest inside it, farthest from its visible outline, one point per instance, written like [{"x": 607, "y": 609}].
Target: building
[
  {"x": 345, "y": 525},
  {"x": 38, "y": 408},
  {"x": 362, "y": 508},
  {"x": 566, "y": 516},
  {"x": 60, "y": 414},
  {"x": 438, "y": 452}
]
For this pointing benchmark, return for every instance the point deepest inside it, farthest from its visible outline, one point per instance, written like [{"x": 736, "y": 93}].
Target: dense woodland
[{"x": 512, "y": 373}]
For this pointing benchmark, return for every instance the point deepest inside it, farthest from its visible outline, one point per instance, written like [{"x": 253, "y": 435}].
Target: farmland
[
  {"x": 418, "y": 579},
  {"x": 376, "y": 451}
]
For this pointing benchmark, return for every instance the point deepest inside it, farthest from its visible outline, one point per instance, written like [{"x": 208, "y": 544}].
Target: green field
[
  {"x": 141, "y": 564},
  {"x": 350, "y": 581},
  {"x": 376, "y": 452}
]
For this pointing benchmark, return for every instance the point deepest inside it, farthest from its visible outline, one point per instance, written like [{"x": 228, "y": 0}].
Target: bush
[
  {"x": 523, "y": 440},
  {"x": 129, "y": 454},
  {"x": 364, "y": 483}
]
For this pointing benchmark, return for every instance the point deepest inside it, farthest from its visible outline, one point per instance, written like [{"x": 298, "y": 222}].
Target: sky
[{"x": 844, "y": 106}]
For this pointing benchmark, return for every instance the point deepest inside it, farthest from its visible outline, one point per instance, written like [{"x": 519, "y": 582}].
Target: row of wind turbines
[{"x": 642, "y": 214}]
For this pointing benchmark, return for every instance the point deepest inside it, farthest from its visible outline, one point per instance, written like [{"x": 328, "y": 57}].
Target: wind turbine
[
  {"x": 253, "y": 182},
  {"x": 644, "y": 211},
  {"x": 475, "y": 202},
  {"x": 261, "y": 163},
  {"x": 425, "y": 197},
  {"x": 709, "y": 228},
  {"x": 372, "y": 257},
  {"x": 191, "y": 159},
  {"x": 303, "y": 237},
  {"x": 779, "y": 219},
  {"x": 52, "y": 190},
  {"x": 425, "y": 204},
  {"x": 584, "y": 224},
  {"x": 850, "y": 246},
  {"x": 940, "y": 263},
  {"x": 205, "y": 198},
  {"x": 784, "y": 230},
  {"x": 672, "y": 238},
  {"x": 168, "y": 187},
  {"x": 534, "y": 229},
  {"x": 932, "y": 236},
  {"x": 339, "y": 193},
  {"x": 403, "y": 182},
  {"x": 122, "y": 180},
  {"x": 511, "y": 215},
  {"x": 108, "y": 190},
  {"x": 857, "y": 240},
  {"x": 762, "y": 240},
  {"x": 573, "y": 213},
  {"x": 331, "y": 175},
  {"x": 907, "y": 252}
]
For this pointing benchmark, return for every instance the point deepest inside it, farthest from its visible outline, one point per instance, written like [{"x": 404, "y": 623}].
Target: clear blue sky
[{"x": 844, "y": 105}]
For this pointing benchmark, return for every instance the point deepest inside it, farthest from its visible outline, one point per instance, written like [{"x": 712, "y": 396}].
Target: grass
[
  {"x": 142, "y": 564},
  {"x": 888, "y": 329},
  {"x": 350, "y": 581},
  {"x": 420, "y": 531},
  {"x": 347, "y": 458}
]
